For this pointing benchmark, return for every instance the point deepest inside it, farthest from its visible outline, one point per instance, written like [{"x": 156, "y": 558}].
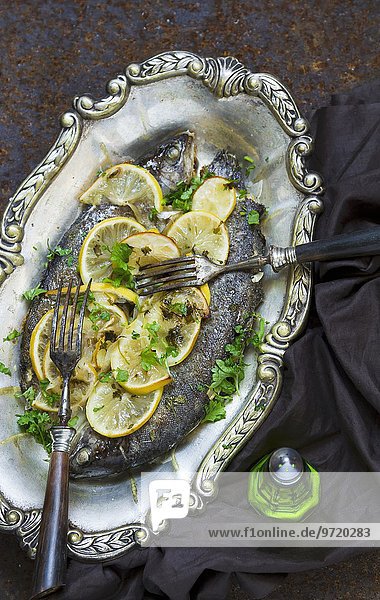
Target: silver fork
[
  {"x": 65, "y": 352},
  {"x": 197, "y": 270}
]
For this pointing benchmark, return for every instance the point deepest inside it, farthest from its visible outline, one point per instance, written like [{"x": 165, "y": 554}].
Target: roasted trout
[{"x": 233, "y": 297}]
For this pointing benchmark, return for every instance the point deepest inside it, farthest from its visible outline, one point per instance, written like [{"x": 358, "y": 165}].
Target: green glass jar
[{"x": 282, "y": 485}]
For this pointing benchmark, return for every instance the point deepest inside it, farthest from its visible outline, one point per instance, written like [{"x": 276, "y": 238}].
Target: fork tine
[
  {"x": 161, "y": 277},
  {"x": 153, "y": 289},
  {"x": 53, "y": 335},
  {"x": 166, "y": 278},
  {"x": 182, "y": 260},
  {"x": 81, "y": 318},
  {"x": 72, "y": 316},
  {"x": 163, "y": 270},
  {"x": 64, "y": 316}
]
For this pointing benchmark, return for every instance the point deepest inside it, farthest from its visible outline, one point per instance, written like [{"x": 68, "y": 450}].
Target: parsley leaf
[
  {"x": 121, "y": 273},
  {"x": 181, "y": 198},
  {"x": 73, "y": 421},
  {"x": 37, "y": 423},
  {"x": 105, "y": 377},
  {"x": 253, "y": 217},
  {"x": 13, "y": 335},
  {"x": 5, "y": 370},
  {"x": 33, "y": 293},
  {"x": 178, "y": 308},
  {"x": 29, "y": 395},
  {"x": 51, "y": 398},
  {"x": 121, "y": 375},
  {"x": 228, "y": 373},
  {"x": 251, "y": 166},
  {"x": 148, "y": 359},
  {"x": 59, "y": 251},
  {"x": 215, "y": 411}
]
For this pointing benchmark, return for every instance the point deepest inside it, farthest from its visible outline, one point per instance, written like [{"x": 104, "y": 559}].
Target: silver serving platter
[{"x": 225, "y": 104}]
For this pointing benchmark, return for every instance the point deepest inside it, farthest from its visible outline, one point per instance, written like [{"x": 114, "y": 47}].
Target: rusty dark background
[{"x": 52, "y": 50}]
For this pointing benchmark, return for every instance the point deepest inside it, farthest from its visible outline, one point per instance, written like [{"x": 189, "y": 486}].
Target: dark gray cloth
[{"x": 329, "y": 407}]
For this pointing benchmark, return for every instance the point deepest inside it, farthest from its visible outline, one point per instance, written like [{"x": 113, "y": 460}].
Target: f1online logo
[{"x": 169, "y": 499}]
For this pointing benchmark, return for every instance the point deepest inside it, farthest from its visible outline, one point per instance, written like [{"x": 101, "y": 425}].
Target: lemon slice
[
  {"x": 201, "y": 233},
  {"x": 216, "y": 197},
  {"x": 113, "y": 412},
  {"x": 81, "y": 384},
  {"x": 178, "y": 315},
  {"x": 126, "y": 185},
  {"x": 113, "y": 295},
  {"x": 38, "y": 341},
  {"x": 150, "y": 247},
  {"x": 132, "y": 355},
  {"x": 95, "y": 254}
]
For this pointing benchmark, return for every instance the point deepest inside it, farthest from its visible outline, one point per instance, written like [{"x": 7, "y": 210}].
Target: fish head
[
  {"x": 93, "y": 455},
  {"x": 172, "y": 162}
]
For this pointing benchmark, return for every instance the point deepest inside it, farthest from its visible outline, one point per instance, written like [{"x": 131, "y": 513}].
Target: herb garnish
[
  {"x": 135, "y": 335},
  {"x": 13, "y": 335},
  {"x": 33, "y": 293},
  {"x": 181, "y": 198},
  {"x": 152, "y": 215},
  {"x": 172, "y": 403},
  {"x": 253, "y": 217},
  {"x": 121, "y": 375},
  {"x": 59, "y": 251},
  {"x": 98, "y": 408},
  {"x": 121, "y": 273},
  {"x": 228, "y": 373},
  {"x": 73, "y": 421},
  {"x": 37, "y": 423},
  {"x": 250, "y": 166},
  {"x": 178, "y": 308},
  {"x": 51, "y": 398},
  {"x": 5, "y": 370},
  {"x": 105, "y": 377}
]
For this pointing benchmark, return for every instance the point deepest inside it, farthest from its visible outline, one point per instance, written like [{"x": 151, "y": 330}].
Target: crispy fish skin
[
  {"x": 183, "y": 403},
  {"x": 175, "y": 156}
]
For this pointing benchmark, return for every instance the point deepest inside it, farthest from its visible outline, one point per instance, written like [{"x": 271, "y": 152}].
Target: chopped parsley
[
  {"x": 178, "y": 308},
  {"x": 51, "y": 398},
  {"x": 253, "y": 217},
  {"x": 228, "y": 373},
  {"x": 152, "y": 215},
  {"x": 121, "y": 273},
  {"x": 181, "y": 198},
  {"x": 5, "y": 370},
  {"x": 29, "y": 395},
  {"x": 149, "y": 359},
  {"x": 98, "y": 313},
  {"x": 98, "y": 408},
  {"x": 73, "y": 421},
  {"x": 251, "y": 166},
  {"x": 59, "y": 251},
  {"x": 121, "y": 375},
  {"x": 33, "y": 293},
  {"x": 231, "y": 183},
  {"x": 135, "y": 335},
  {"x": 13, "y": 335},
  {"x": 105, "y": 377},
  {"x": 37, "y": 423},
  {"x": 173, "y": 403}
]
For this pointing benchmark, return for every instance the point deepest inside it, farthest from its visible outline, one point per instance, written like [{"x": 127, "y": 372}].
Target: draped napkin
[{"x": 329, "y": 407}]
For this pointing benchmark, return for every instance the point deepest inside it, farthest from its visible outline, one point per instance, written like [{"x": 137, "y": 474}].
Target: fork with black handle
[
  {"x": 65, "y": 352},
  {"x": 196, "y": 270}
]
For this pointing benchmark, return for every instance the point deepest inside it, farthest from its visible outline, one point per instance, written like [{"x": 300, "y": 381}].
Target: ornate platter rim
[{"x": 224, "y": 77}]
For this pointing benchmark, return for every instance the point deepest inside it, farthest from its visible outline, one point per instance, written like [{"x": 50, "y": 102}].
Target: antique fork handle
[
  {"x": 51, "y": 556},
  {"x": 364, "y": 242}
]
